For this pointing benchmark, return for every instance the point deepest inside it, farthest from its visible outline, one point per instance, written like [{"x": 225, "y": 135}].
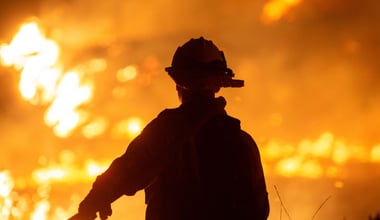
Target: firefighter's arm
[{"x": 133, "y": 171}]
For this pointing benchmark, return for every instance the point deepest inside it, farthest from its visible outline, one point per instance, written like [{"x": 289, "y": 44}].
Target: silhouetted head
[{"x": 199, "y": 70}]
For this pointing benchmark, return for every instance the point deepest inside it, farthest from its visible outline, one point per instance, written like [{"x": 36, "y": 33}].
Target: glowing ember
[
  {"x": 274, "y": 10},
  {"x": 127, "y": 73}
]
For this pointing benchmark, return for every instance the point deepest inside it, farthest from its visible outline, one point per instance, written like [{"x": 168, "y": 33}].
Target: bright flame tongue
[
  {"x": 43, "y": 82},
  {"x": 62, "y": 113},
  {"x": 36, "y": 56},
  {"x": 274, "y": 10}
]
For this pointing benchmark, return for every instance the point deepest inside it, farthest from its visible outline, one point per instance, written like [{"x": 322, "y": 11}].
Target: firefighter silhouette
[{"x": 194, "y": 161}]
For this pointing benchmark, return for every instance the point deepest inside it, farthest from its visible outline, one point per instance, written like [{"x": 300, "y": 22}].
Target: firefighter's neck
[{"x": 193, "y": 96}]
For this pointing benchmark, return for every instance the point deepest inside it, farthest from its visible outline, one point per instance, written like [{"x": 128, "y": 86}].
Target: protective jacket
[{"x": 194, "y": 163}]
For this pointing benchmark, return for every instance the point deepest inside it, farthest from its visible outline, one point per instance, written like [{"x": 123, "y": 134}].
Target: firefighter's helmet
[{"x": 200, "y": 64}]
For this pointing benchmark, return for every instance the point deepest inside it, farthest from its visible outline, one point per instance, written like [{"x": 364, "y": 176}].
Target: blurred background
[{"x": 79, "y": 79}]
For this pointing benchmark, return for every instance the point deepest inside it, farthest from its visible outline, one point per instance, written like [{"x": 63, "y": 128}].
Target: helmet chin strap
[{"x": 186, "y": 95}]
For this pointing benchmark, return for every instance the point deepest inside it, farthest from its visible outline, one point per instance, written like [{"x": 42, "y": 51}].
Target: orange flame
[
  {"x": 36, "y": 56},
  {"x": 62, "y": 113},
  {"x": 315, "y": 159},
  {"x": 66, "y": 170},
  {"x": 43, "y": 81},
  {"x": 274, "y": 10}
]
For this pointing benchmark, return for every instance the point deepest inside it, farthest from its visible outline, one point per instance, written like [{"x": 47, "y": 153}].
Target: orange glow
[
  {"x": 94, "y": 169},
  {"x": 311, "y": 169},
  {"x": 66, "y": 170},
  {"x": 48, "y": 174},
  {"x": 41, "y": 210},
  {"x": 310, "y": 157},
  {"x": 375, "y": 154},
  {"x": 6, "y": 184},
  {"x": 296, "y": 166},
  {"x": 127, "y": 73},
  {"x": 320, "y": 148},
  {"x": 339, "y": 184},
  {"x": 275, "y": 151},
  {"x": 128, "y": 128},
  {"x": 289, "y": 167},
  {"x": 95, "y": 128},
  {"x": 63, "y": 82},
  {"x": 95, "y": 65},
  {"x": 6, "y": 187},
  {"x": 332, "y": 171},
  {"x": 274, "y": 10},
  {"x": 341, "y": 153}
]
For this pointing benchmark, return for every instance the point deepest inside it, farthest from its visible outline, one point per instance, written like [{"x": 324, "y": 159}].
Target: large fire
[
  {"x": 43, "y": 81},
  {"x": 46, "y": 81}
]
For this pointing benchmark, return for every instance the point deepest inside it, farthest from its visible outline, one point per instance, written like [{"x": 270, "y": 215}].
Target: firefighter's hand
[
  {"x": 89, "y": 208},
  {"x": 105, "y": 211}
]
